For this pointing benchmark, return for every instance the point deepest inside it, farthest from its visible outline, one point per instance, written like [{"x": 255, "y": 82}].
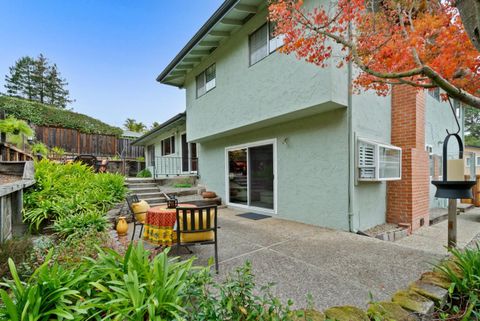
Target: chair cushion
[
  {"x": 140, "y": 207},
  {"x": 198, "y": 236},
  {"x": 140, "y": 210}
]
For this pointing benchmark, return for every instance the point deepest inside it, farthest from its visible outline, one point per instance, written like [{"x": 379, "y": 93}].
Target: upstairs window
[
  {"x": 168, "y": 146},
  {"x": 435, "y": 93},
  {"x": 263, "y": 42},
  {"x": 206, "y": 81}
]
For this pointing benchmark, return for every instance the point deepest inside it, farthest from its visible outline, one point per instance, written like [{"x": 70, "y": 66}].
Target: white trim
[
  {"x": 377, "y": 146},
  {"x": 272, "y": 142}
]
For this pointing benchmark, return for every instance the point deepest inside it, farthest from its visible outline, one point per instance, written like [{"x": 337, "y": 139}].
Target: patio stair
[{"x": 151, "y": 191}]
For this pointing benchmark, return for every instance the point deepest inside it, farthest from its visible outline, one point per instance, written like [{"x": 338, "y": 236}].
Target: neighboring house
[
  {"x": 167, "y": 151},
  {"x": 281, "y": 136},
  {"x": 472, "y": 159}
]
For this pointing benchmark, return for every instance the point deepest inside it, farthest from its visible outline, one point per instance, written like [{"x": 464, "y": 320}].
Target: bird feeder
[{"x": 453, "y": 184}]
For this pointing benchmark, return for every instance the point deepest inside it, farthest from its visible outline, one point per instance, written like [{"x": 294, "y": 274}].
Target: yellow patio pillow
[
  {"x": 140, "y": 210},
  {"x": 197, "y": 237}
]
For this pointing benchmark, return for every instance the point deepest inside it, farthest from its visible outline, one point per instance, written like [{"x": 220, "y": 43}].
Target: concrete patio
[{"x": 335, "y": 267}]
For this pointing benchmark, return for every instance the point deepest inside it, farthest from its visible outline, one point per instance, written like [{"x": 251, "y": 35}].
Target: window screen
[{"x": 259, "y": 44}]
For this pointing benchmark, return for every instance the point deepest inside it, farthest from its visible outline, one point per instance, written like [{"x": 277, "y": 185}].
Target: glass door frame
[{"x": 246, "y": 146}]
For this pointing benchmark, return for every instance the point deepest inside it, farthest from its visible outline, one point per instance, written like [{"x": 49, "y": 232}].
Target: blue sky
[{"x": 110, "y": 51}]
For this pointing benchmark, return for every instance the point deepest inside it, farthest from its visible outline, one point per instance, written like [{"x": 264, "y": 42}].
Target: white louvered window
[{"x": 377, "y": 161}]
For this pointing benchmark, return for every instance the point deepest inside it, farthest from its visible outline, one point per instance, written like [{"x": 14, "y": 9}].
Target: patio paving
[{"x": 335, "y": 267}]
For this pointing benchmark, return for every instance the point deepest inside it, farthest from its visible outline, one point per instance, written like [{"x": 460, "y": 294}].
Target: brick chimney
[{"x": 408, "y": 198}]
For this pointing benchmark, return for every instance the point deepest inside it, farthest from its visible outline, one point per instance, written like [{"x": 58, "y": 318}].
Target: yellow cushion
[
  {"x": 197, "y": 237},
  {"x": 140, "y": 207},
  {"x": 140, "y": 210}
]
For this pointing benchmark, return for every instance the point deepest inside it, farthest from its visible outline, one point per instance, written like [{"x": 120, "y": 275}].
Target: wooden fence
[{"x": 74, "y": 142}]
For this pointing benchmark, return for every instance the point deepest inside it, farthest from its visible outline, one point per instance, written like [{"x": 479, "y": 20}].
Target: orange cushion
[{"x": 199, "y": 236}]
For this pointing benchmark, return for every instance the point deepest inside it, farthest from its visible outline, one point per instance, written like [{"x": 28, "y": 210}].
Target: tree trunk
[{"x": 470, "y": 13}]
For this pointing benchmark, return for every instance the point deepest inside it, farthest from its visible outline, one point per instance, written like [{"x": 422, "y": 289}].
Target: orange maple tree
[{"x": 415, "y": 42}]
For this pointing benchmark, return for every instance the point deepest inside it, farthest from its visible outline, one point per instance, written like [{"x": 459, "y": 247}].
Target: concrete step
[
  {"x": 137, "y": 180},
  {"x": 150, "y": 194},
  {"x": 140, "y": 185},
  {"x": 155, "y": 200},
  {"x": 141, "y": 190}
]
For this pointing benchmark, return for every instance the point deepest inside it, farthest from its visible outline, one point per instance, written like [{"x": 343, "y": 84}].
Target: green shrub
[
  {"x": 144, "y": 173},
  {"x": 45, "y": 115},
  {"x": 40, "y": 148},
  {"x": 233, "y": 299},
  {"x": 463, "y": 270},
  {"x": 70, "y": 226},
  {"x": 63, "y": 190}
]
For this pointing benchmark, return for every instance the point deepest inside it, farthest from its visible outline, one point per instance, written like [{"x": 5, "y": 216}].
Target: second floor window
[
  {"x": 168, "y": 146},
  {"x": 206, "y": 81},
  {"x": 263, "y": 42}
]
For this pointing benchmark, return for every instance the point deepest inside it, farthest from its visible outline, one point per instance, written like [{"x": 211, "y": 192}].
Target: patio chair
[
  {"x": 89, "y": 160},
  {"x": 131, "y": 200},
  {"x": 197, "y": 226}
]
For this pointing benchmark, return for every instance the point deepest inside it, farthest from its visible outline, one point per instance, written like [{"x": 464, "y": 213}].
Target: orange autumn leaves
[{"x": 390, "y": 40}]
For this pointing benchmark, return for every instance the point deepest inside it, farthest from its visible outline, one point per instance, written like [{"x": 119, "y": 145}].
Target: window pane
[
  {"x": 275, "y": 42},
  {"x": 258, "y": 44},
  {"x": 166, "y": 150},
  {"x": 172, "y": 147},
  {"x": 201, "y": 84},
  {"x": 389, "y": 163},
  {"x": 210, "y": 73}
]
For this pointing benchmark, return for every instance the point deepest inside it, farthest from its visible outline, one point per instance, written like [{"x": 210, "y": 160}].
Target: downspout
[{"x": 351, "y": 144}]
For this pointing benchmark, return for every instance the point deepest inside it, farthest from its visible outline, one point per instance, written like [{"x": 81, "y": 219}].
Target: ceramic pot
[
  {"x": 209, "y": 194},
  {"x": 122, "y": 226}
]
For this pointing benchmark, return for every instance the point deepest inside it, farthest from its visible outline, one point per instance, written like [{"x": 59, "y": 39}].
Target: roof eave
[{"x": 211, "y": 22}]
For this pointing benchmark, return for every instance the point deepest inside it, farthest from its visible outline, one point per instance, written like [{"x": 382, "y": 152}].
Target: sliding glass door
[{"x": 251, "y": 176}]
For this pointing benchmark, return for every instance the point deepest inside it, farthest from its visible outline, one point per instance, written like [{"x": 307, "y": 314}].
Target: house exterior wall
[
  {"x": 157, "y": 142},
  {"x": 468, "y": 153},
  {"x": 281, "y": 97},
  {"x": 274, "y": 87},
  {"x": 312, "y": 167},
  {"x": 371, "y": 119}
]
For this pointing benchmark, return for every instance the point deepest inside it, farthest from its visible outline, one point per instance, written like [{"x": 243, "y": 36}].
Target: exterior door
[
  {"x": 251, "y": 181},
  {"x": 184, "y": 153}
]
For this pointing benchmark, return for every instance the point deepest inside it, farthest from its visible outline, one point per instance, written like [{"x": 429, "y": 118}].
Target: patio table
[{"x": 159, "y": 226}]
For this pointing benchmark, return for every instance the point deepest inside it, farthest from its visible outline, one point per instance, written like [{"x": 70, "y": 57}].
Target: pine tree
[
  {"x": 39, "y": 77},
  {"x": 36, "y": 79},
  {"x": 20, "y": 82}
]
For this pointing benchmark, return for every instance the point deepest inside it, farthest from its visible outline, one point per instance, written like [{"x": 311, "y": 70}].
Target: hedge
[{"x": 48, "y": 116}]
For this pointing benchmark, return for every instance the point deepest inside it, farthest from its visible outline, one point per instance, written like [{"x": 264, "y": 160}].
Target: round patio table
[{"x": 159, "y": 225}]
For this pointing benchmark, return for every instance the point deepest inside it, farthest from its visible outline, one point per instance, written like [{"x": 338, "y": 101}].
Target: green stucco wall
[
  {"x": 275, "y": 86},
  {"x": 311, "y": 167}
]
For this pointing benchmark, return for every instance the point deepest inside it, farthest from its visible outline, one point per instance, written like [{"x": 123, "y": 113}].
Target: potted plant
[{"x": 14, "y": 126}]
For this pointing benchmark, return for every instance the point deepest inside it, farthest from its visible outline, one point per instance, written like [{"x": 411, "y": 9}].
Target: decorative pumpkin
[
  {"x": 140, "y": 210},
  {"x": 209, "y": 194},
  {"x": 122, "y": 226}
]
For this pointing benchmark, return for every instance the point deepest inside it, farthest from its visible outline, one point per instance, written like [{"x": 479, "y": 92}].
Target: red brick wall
[{"x": 408, "y": 198}]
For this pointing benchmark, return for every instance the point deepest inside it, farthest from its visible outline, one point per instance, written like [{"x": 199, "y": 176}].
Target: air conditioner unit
[{"x": 378, "y": 161}]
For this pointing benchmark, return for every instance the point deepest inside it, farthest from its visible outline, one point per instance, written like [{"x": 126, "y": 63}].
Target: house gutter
[
  {"x": 351, "y": 145},
  {"x": 147, "y": 136}
]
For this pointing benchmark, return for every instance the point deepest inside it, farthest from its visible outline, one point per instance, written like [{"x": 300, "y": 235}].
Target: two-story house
[{"x": 281, "y": 136}]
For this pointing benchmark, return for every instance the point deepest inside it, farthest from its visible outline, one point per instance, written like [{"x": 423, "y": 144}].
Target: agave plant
[{"x": 14, "y": 126}]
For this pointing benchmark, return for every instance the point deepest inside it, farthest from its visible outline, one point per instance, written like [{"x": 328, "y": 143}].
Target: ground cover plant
[
  {"x": 463, "y": 271},
  {"x": 133, "y": 286},
  {"x": 64, "y": 191}
]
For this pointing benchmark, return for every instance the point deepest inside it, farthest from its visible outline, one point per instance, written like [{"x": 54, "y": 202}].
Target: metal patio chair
[
  {"x": 133, "y": 198},
  {"x": 197, "y": 226}
]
